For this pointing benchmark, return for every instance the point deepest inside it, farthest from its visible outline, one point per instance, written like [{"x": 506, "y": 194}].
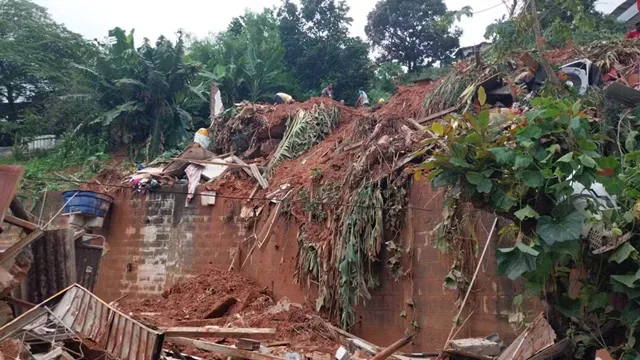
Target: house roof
[{"x": 627, "y": 12}]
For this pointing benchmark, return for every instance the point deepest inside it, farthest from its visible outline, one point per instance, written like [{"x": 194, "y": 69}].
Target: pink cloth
[{"x": 193, "y": 174}]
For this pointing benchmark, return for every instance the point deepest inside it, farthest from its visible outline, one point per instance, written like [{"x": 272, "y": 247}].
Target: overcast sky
[{"x": 151, "y": 18}]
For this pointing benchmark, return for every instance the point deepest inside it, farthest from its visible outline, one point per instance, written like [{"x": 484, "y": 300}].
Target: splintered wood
[{"x": 537, "y": 337}]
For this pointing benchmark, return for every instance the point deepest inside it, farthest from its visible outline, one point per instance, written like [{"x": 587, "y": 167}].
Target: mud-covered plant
[
  {"x": 304, "y": 130},
  {"x": 308, "y": 260}
]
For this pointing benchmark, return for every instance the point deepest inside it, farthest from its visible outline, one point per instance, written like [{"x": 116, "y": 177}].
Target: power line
[
  {"x": 487, "y": 9},
  {"x": 313, "y": 202}
]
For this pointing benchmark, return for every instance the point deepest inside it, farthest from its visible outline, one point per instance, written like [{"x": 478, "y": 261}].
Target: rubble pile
[{"x": 230, "y": 300}]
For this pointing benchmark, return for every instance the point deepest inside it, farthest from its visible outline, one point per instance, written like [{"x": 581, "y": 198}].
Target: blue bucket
[{"x": 87, "y": 203}]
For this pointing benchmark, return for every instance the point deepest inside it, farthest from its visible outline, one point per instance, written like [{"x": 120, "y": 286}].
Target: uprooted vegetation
[{"x": 348, "y": 193}]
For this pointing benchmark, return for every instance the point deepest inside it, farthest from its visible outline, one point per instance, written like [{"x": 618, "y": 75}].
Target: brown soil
[
  {"x": 188, "y": 304},
  {"x": 10, "y": 349},
  {"x": 408, "y": 101}
]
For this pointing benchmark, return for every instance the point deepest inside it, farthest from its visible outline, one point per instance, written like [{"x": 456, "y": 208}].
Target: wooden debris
[
  {"x": 623, "y": 94},
  {"x": 248, "y": 344},
  {"x": 256, "y": 174},
  {"x": 278, "y": 343},
  {"x": 556, "y": 351},
  {"x": 222, "y": 349},
  {"x": 10, "y": 176},
  {"x": 18, "y": 302},
  {"x": 528, "y": 60},
  {"x": 20, "y": 223},
  {"x": 478, "y": 346},
  {"x": 207, "y": 331},
  {"x": 16, "y": 248},
  {"x": 438, "y": 114},
  {"x": 467, "y": 354},
  {"x": 363, "y": 344},
  {"x": 391, "y": 349},
  {"x": 538, "y": 336},
  {"x": 353, "y": 146}
]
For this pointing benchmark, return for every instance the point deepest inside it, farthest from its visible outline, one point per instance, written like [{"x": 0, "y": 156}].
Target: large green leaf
[
  {"x": 515, "y": 261},
  {"x": 532, "y": 178},
  {"x": 526, "y": 213},
  {"x": 504, "y": 156},
  {"x": 523, "y": 160},
  {"x": 629, "y": 281},
  {"x": 561, "y": 229},
  {"x": 623, "y": 253}
]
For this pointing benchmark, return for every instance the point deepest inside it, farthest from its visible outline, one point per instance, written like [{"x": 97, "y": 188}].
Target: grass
[{"x": 77, "y": 159}]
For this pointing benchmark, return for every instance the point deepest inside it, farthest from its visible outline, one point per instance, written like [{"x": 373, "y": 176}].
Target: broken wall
[{"x": 155, "y": 242}]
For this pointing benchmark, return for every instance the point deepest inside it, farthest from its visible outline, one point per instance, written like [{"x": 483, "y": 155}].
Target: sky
[{"x": 152, "y": 18}]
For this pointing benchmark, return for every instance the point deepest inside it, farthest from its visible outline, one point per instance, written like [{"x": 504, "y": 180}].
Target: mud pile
[{"x": 227, "y": 299}]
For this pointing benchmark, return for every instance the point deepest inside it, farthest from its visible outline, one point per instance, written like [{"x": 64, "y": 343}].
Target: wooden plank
[
  {"x": 249, "y": 333},
  {"x": 364, "y": 344},
  {"x": 213, "y": 162},
  {"x": 353, "y": 146},
  {"x": 622, "y": 94},
  {"x": 438, "y": 114},
  {"x": 10, "y": 176},
  {"x": 248, "y": 344},
  {"x": 415, "y": 124},
  {"x": 537, "y": 337},
  {"x": 256, "y": 174},
  {"x": 16, "y": 248},
  {"x": 556, "y": 351},
  {"x": 27, "y": 225},
  {"x": 222, "y": 349}
]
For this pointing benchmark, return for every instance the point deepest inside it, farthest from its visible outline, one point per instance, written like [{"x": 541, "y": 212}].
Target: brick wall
[{"x": 156, "y": 241}]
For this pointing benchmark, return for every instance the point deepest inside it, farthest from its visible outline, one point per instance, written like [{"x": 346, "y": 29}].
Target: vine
[{"x": 574, "y": 204}]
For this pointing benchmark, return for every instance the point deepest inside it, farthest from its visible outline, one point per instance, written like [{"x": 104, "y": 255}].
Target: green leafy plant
[{"x": 530, "y": 169}]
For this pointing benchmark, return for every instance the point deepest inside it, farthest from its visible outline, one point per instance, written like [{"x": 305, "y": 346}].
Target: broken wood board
[
  {"x": 438, "y": 114},
  {"x": 249, "y": 333},
  {"x": 248, "y": 344},
  {"x": 10, "y": 176},
  {"x": 557, "y": 351},
  {"x": 27, "y": 225},
  {"x": 222, "y": 349},
  {"x": 364, "y": 345},
  {"x": 16, "y": 248},
  {"x": 256, "y": 174},
  {"x": 535, "y": 338}
]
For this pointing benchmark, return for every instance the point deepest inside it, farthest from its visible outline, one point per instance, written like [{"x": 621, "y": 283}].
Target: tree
[
  {"x": 415, "y": 33},
  {"x": 35, "y": 53},
  {"x": 246, "y": 60},
  {"x": 142, "y": 91},
  {"x": 319, "y": 50}
]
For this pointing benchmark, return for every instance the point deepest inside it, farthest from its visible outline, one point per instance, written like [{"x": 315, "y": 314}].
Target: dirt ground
[{"x": 191, "y": 303}]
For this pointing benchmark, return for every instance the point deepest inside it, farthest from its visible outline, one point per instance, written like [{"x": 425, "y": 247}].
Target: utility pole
[{"x": 553, "y": 77}]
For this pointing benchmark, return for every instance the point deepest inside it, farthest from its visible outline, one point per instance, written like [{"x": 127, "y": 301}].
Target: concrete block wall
[{"x": 155, "y": 241}]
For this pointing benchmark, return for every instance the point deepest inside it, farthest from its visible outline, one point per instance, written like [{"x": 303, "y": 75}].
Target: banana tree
[{"x": 143, "y": 90}]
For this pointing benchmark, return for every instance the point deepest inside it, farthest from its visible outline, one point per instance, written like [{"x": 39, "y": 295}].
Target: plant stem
[{"x": 553, "y": 77}]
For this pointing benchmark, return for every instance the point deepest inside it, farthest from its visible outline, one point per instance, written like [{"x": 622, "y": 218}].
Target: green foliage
[
  {"x": 247, "y": 60},
  {"x": 415, "y": 33},
  {"x": 142, "y": 91},
  {"x": 35, "y": 53},
  {"x": 319, "y": 50},
  {"x": 527, "y": 172},
  {"x": 574, "y": 21},
  {"x": 80, "y": 158},
  {"x": 304, "y": 130}
]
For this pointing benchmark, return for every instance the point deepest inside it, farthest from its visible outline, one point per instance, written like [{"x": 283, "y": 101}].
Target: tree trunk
[
  {"x": 13, "y": 114},
  {"x": 553, "y": 77}
]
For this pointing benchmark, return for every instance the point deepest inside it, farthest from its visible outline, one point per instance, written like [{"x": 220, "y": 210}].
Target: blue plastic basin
[{"x": 87, "y": 203}]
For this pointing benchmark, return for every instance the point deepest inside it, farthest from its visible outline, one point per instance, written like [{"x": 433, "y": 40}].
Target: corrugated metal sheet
[
  {"x": 88, "y": 265},
  {"x": 84, "y": 313},
  {"x": 48, "y": 275}
]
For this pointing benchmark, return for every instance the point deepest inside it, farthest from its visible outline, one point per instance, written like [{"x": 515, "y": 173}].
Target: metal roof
[{"x": 75, "y": 313}]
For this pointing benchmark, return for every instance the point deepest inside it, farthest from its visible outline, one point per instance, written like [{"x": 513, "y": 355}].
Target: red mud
[
  {"x": 408, "y": 101},
  {"x": 188, "y": 304},
  {"x": 10, "y": 349}
]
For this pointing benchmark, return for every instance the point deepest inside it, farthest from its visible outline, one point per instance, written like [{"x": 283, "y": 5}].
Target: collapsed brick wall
[{"x": 155, "y": 241}]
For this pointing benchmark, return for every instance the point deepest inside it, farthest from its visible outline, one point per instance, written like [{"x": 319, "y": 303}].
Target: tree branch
[{"x": 553, "y": 77}]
